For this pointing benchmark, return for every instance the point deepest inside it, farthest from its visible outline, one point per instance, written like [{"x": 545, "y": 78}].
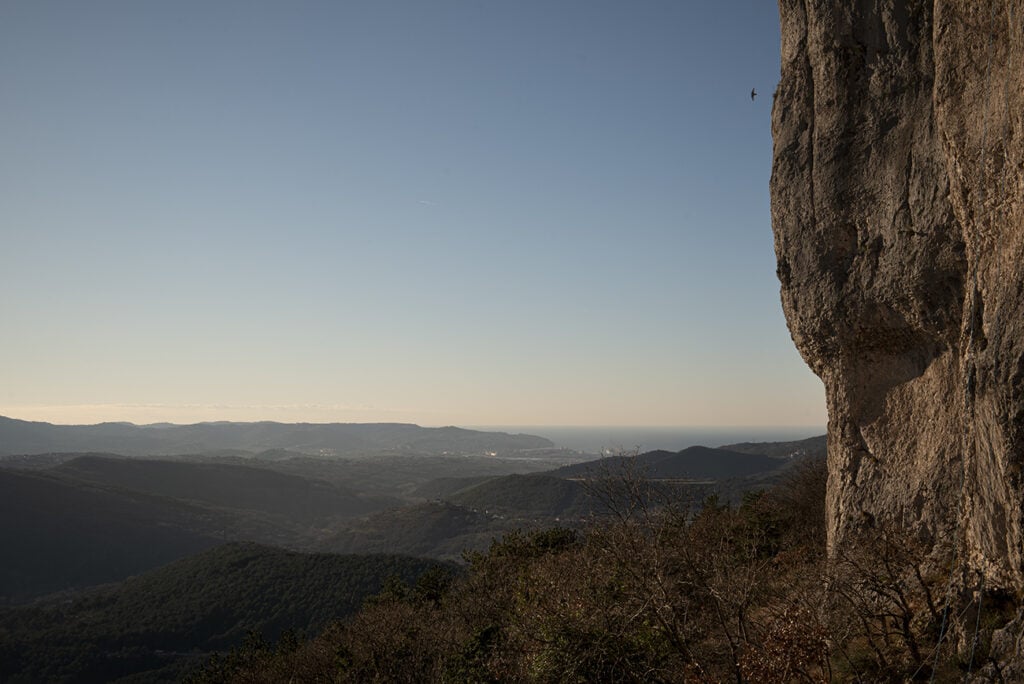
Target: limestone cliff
[{"x": 898, "y": 211}]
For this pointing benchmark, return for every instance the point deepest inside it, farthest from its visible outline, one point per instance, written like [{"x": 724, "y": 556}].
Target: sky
[{"x": 455, "y": 212}]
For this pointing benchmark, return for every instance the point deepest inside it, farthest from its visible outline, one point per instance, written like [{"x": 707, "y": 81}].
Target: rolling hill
[
  {"x": 530, "y": 497},
  {"x": 57, "y": 534},
  {"x": 443, "y": 487},
  {"x": 467, "y": 517},
  {"x": 156, "y": 625},
  {"x": 297, "y": 499},
  {"x": 693, "y": 463},
  {"x": 437, "y": 529},
  {"x": 100, "y": 518},
  {"x": 812, "y": 447}
]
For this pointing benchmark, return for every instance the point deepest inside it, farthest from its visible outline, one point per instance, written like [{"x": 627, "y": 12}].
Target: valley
[{"x": 157, "y": 547}]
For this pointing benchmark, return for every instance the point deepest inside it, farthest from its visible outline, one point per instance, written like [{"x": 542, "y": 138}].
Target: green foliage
[
  {"x": 693, "y": 463},
  {"x": 290, "y": 498},
  {"x": 527, "y": 497},
  {"x": 655, "y": 591},
  {"x": 518, "y": 546},
  {"x": 432, "y": 585},
  {"x": 58, "y": 535},
  {"x": 436, "y": 529},
  {"x": 201, "y": 604},
  {"x": 469, "y": 663},
  {"x": 652, "y": 597}
]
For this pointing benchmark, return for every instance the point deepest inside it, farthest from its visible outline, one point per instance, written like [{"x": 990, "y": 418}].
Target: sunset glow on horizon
[{"x": 445, "y": 213}]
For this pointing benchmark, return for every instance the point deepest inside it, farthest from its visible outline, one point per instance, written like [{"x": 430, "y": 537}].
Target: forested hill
[
  {"x": 693, "y": 463},
  {"x": 58, "y": 534},
  {"x": 812, "y": 447},
  {"x": 225, "y": 485},
  {"x": 336, "y": 439},
  {"x": 97, "y": 519},
  {"x": 160, "y": 622}
]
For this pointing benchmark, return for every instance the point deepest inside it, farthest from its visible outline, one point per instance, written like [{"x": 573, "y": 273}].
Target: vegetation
[
  {"x": 403, "y": 475},
  {"x": 527, "y": 496},
  {"x": 647, "y": 575},
  {"x": 801, "y": 449},
  {"x": 693, "y": 463},
  {"x": 93, "y": 518},
  {"x": 302, "y": 500},
  {"x": 654, "y": 593},
  {"x": 59, "y": 535},
  {"x": 160, "y": 622},
  {"x": 437, "y": 529}
]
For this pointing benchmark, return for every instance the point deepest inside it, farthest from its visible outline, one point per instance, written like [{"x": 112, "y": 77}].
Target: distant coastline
[{"x": 596, "y": 439}]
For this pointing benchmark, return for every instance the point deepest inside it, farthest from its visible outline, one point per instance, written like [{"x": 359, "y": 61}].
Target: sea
[{"x": 615, "y": 439}]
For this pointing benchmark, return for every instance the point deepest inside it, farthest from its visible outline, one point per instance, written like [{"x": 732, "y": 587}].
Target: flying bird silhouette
[{"x": 753, "y": 94}]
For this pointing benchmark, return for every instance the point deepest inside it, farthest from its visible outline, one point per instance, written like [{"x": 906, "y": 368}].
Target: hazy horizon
[
  {"x": 488, "y": 427},
  {"x": 155, "y": 414},
  {"x": 626, "y": 438},
  {"x": 441, "y": 213},
  {"x": 591, "y": 438}
]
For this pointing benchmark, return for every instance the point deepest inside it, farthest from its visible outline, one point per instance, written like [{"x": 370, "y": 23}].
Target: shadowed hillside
[
  {"x": 526, "y": 496},
  {"x": 444, "y": 487},
  {"x": 57, "y": 534},
  {"x": 694, "y": 463},
  {"x": 99, "y": 519},
  {"x": 812, "y": 447},
  {"x": 437, "y": 529},
  {"x": 297, "y": 499},
  {"x": 165, "y": 618},
  {"x": 396, "y": 475}
]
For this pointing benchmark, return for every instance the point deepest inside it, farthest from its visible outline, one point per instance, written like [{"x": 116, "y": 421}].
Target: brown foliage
[{"x": 657, "y": 590}]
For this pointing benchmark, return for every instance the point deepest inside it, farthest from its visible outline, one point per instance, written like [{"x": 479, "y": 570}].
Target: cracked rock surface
[{"x": 898, "y": 212}]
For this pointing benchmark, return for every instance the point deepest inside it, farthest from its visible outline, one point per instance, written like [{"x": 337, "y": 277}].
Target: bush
[{"x": 655, "y": 591}]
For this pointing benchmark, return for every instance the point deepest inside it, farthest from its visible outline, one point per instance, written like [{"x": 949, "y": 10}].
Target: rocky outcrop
[{"x": 898, "y": 211}]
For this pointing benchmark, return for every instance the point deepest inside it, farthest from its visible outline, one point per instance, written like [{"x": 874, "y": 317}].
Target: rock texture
[{"x": 898, "y": 211}]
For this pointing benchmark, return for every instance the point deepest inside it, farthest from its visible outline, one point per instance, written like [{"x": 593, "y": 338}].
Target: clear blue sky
[{"x": 471, "y": 212}]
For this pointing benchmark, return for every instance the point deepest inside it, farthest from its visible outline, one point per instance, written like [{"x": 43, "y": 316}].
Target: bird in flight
[{"x": 753, "y": 94}]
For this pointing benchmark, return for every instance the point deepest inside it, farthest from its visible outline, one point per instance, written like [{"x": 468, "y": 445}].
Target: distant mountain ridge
[
  {"x": 693, "y": 463},
  {"x": 330, "y": 439},
  {"x": 812, "y": 447}
]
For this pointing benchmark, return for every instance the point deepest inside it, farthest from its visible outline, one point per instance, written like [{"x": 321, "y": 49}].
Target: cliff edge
[{"x": 898, "y": 211}]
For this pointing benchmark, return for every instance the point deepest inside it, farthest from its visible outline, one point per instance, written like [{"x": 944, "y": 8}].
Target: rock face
[{"x": 898, "y": 211}]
